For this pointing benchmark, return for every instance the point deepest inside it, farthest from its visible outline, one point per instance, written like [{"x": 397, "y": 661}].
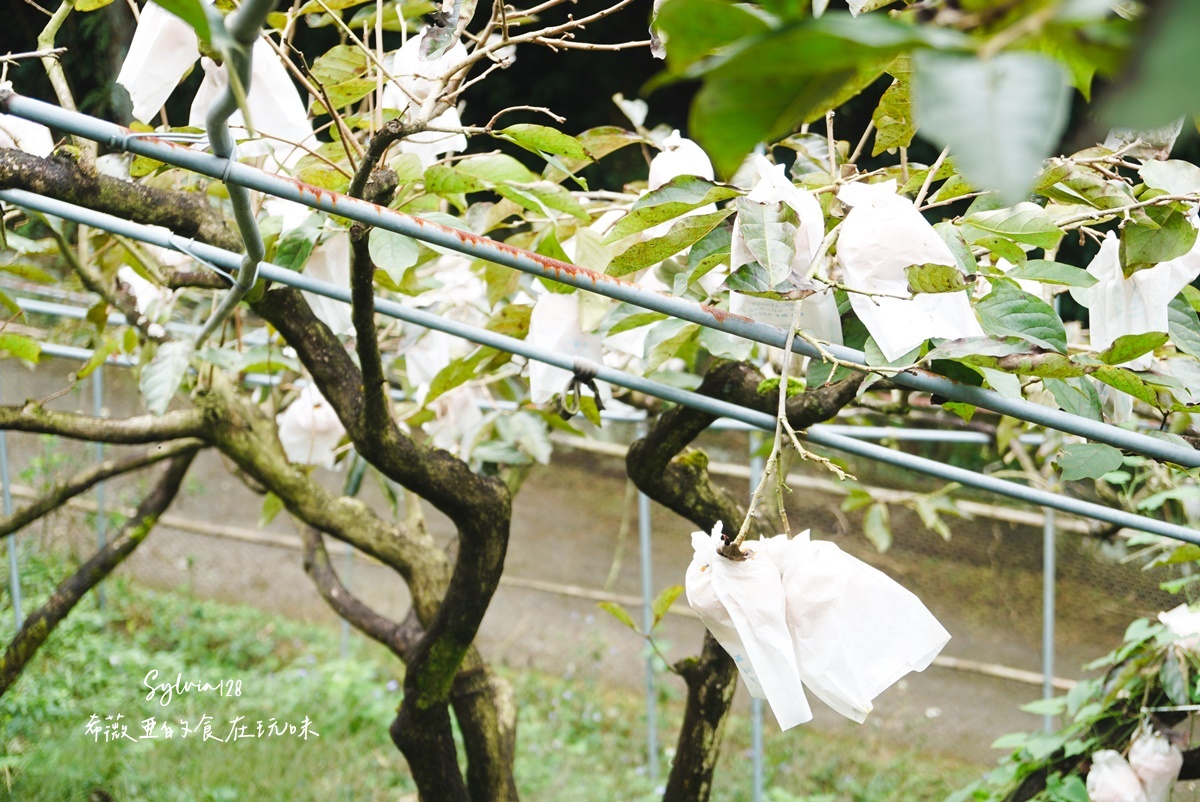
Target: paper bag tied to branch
[{"x": 799, "y": 612}]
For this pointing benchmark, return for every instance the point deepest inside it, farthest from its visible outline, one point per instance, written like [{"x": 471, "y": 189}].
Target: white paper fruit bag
[
  {"x": 1112, "y": 780},
  {"x": 855, "y": 630},
  {"x": 1156, "y": 762},
  {"x": 743, "y": 605}
]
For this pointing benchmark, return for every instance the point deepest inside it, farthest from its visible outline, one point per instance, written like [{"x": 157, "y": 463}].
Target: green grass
[{"x": 576, "y": 741}]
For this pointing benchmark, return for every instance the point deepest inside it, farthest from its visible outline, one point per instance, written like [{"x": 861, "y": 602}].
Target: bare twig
[
  {"x": 51, "y": 53},
  {"x": 862, "y": 143},
  {"x": 541, "y": 109},
  {"x": 933, "y": 168}
]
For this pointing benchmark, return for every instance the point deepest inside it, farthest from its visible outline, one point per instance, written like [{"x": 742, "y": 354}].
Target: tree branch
[
  {"x": 65, "y": 177},
  {"x": 398, "y": 638},
  {"x": 483, "y": 703},
  {"x": 173, "y": 425},
  {"x": 85, "y": 479},
  {"x": 38, "y": 626}
]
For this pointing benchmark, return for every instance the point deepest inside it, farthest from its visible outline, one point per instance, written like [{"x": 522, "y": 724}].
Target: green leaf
[
  {"x": 1189, "y": 552},
  {"x": 1054, "y": 706},
  {"x": 893, "y": 117},
  {"x": 542, "y": 139},
  {"x": 555, "y": 197},
  {"x": 1143, "y": 246},
  {"x": 1173, "y": 177},
  {"x": 343, "y": 94},
  {"x": 496, "y": 168},
  {"x": 1128, "y": 382},
  {"x": 29, "y": 272},
  {"x": 752, "y": 279},
  {"x": 662, "y": 603},
  {"x": 192, "y": 12},
  {"x": 272, "y": 505},
  {"x": 682, "y": 234},
  {"x": 1008, "y": 311},
  {"x": 1025, "y": 223},
  {"x": 1153, "y": 95},
  {"x": 1174, "y": 678},
  {"x": 98, "y": 358},
  {"x": 725, "y": 346},
  {"x": 760, "y": 89},
  {"x": 340, "y": 64},
  {"x": 618, "y": 612},
  {"x": 90, "y": 5},
  {"x": 678, "y": 196},
  {"x": 314, "y": 7},
  {"x": 297, "y": 245},
  {"x": 1082, "y": 185},
  {"x": 455, "y": 374},
  {"x": 1077, "y": 396},
  {"x": 20, "y": 346},
  {"x": 709, "y": 251},
  {"x": 958, "y": 246},
  {"x": 699, "y": 28},
  {"x": 312, "y": 170},
  {"x": 1000, "y": 116},
  {"x": 769, "y": 231},
  {"x": 392, "y": 253},
  {"x": 163, "y": 375},
  {"x": 665, "y": 340},
  {"x": 598, "y": 142},
  {"x": 1183, "y": 326},
  {"x": 1087, "y": 461},
  {"x": 1131, "y": 346},
  {"x": 932, "y": 278},
  {"x": 1048, "y": 272},
  {"x": 877, "y": 528},
  {"x": 634, "y": 320}
]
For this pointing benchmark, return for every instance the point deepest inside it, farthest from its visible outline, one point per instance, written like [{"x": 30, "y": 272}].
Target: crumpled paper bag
[
  {"x": 1156, "y": 761},
  {"x": 1184, "y": 623},
  {"x": 800, "y": 612},
  {"x": 1112, "y": 780},
  {"x": 743, "y": 606},
  {"x": 1133, "y": 305},
  {"x": 855, "y": 630},
  {"x": 881, "y": 236}
]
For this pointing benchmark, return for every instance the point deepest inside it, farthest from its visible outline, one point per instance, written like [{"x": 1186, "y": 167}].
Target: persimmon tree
[{"x": 956, "y": 264}]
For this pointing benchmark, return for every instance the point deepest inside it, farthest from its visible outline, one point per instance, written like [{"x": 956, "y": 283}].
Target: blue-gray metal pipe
[
  {"x": 500, "y": 253},
  {"x": 98, "y": 448},
  {"x": 243, "y": 26},
  {"x": 14, "y": 566},
  {"x": 53, "y": 309},
  {"x": 716, "y": 407}
]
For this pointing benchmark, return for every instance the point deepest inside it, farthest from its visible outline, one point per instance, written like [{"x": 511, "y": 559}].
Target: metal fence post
[
  {"x": 644, "y": 546},
  {"x": 101, "y": 522},
  {"x": 14, "y": 570},
  {"x": 756, "y": 705},
  {"x": 1048, "y": 581}
]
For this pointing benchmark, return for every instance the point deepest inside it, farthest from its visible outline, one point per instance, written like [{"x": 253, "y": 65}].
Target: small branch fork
[{"x": 782, "y": 426}]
